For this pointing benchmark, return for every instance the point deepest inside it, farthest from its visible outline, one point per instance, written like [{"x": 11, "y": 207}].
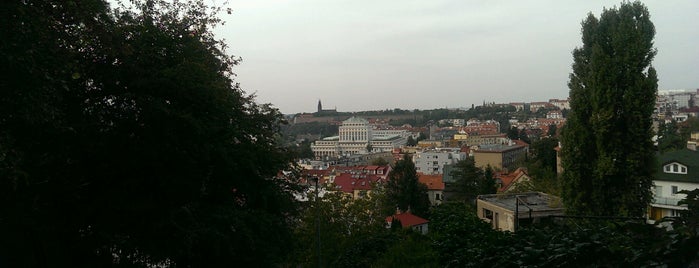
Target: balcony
[{"x": 668, "y": 201}]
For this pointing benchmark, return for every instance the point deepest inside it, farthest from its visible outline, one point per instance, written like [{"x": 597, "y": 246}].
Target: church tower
[{"x": 320, "y": 106}]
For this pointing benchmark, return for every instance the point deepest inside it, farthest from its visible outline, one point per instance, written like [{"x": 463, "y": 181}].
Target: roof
[
  {"x": 433, "y": 182},
  {"x": 509, "y": 179},
  {"x": 685, "y": 157},
  {"x": 497, "y": 148},
  {"x": 349, "y": 182},
  {"x": 520, "y": 142},
  {"x": 536, "y": 201},
  {"x": 407, "y": 219}
]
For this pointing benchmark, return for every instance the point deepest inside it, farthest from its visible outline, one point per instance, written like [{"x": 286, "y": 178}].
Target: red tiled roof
[
  {"x": 349, "y": 182},
  {"x": 407, "y": 219},
  {"x": 433, "y": 182}
]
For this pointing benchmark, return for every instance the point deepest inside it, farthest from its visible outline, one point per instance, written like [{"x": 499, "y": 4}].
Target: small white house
[{"x": 676, "y": 171}]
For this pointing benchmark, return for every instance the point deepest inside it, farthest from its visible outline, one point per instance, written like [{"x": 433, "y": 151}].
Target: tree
[
  {"x": 523, "y": 136},
  {"x": 471, "y": 181},
  {"x": 404, "y": 191},
  {"x": 379, "y": 161},
  {"x": 607, "y": 149},
  {"x": 552, "y": 130},
  {"x": 688, "y": 126},
  {"x": 343, "y": 225},
  {"x": 411, "y": 141},
  {"x": 513, "y": 133},
  {"x": 669, "y": 138},
  {"x": 125, "y": 142}
]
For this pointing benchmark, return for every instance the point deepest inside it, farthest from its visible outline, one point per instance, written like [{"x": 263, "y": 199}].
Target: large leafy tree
[
  {"x": 607, "y": 149},
  {"x": 404, "y": 191},
  {"x": 471, "y": 181},
  {"x": 125, "y": 141}
]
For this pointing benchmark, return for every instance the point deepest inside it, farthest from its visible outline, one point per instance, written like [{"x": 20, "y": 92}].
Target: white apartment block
[{"x": 432, "y": 162}]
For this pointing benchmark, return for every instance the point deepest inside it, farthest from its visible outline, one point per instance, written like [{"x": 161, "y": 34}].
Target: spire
[{"x": 320, "y": 106}]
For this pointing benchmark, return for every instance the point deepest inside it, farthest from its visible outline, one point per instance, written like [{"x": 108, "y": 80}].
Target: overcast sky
[{"x": 379, "y": 54}]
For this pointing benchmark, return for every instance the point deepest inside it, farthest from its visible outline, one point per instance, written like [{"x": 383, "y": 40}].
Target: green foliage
[
  {"x": 669, "y": 138},
  {"x": 404, "y": 191},
  {"x": 411, "y": 141},
  {"x": 460, "y": 237},
  {"x": 608, "y": 154},
  {"x": 321, "y": 129},
  {"x": 471, "y": 181},
  {"x": 344, "y": 224},
  {"x": 125, "y": 142},
  {"x": 688, "y": 126},
  {"x": 380, "y": 161},
  {"x": 409, "y": 250}
]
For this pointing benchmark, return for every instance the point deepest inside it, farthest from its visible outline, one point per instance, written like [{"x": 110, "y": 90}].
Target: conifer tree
[{"x": 607, "y": 149}]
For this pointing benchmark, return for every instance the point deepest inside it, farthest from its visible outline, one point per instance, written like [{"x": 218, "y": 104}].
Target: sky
[{"x": 359, "y": 55}]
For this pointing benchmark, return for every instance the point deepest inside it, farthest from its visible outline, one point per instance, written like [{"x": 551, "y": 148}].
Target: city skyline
[{"x": 356, "y": 55}]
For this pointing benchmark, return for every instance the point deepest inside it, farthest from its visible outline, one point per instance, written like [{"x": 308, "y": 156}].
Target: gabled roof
[
  {"x": 685, "y": 157},
  {"x": 510, "y": 179},
  {"x": 433, "y": 182},
  {"x": 407, "y": 219}
]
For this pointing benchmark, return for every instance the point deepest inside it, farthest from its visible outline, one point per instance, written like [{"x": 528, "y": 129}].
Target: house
[
  {"x": 356, "y": 185},
  {"x": 408, "y": 220},
  {"x": 435, "y": 187},
  {"x": 507, "y": 212},
  {"x": 676, "y": 171},
  {"x": 508, "y": 182}
]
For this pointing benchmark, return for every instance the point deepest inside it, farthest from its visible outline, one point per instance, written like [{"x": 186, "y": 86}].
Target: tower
[{"x": 320, "y": 106}]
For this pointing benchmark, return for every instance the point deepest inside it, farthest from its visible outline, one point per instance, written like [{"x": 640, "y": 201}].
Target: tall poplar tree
[{"x": 607, "y": 149}]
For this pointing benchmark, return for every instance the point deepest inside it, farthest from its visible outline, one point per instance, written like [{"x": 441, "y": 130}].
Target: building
[
  {"x": 561, "y": 104},
  {"x": 408, "y": 220},
  {"x": 676, "y": 171},
  {"x": 498, "y": 156},
  {"x": 510, "y": 182},
  {"x": 435, "y": 187},
  {"x": 321, "y": 110},
  {"x": 507, "y": 212},
  {"x": 432, "y": 161},
  {"x": 535, "y": 106},
  {"x": 519, "y": 106},
  {"x": 357, "y": 136}
]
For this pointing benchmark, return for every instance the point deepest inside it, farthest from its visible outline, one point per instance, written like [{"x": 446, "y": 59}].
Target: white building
[
  {"x": 677, "y": 171},
  {"x": 433, "y": 161},
  {"x": 357, "y": 136}
]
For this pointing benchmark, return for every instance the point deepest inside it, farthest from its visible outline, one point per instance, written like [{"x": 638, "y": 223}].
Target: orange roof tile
[{"x": 433, "y": 182}]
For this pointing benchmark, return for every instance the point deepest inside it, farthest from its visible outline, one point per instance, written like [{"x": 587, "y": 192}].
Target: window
[
  {"x": 437, "y": 197},
  {"x": 674, "y": 190},
  {"x": 675, "y": 168},
  {"x": 487, "y": 214}
]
